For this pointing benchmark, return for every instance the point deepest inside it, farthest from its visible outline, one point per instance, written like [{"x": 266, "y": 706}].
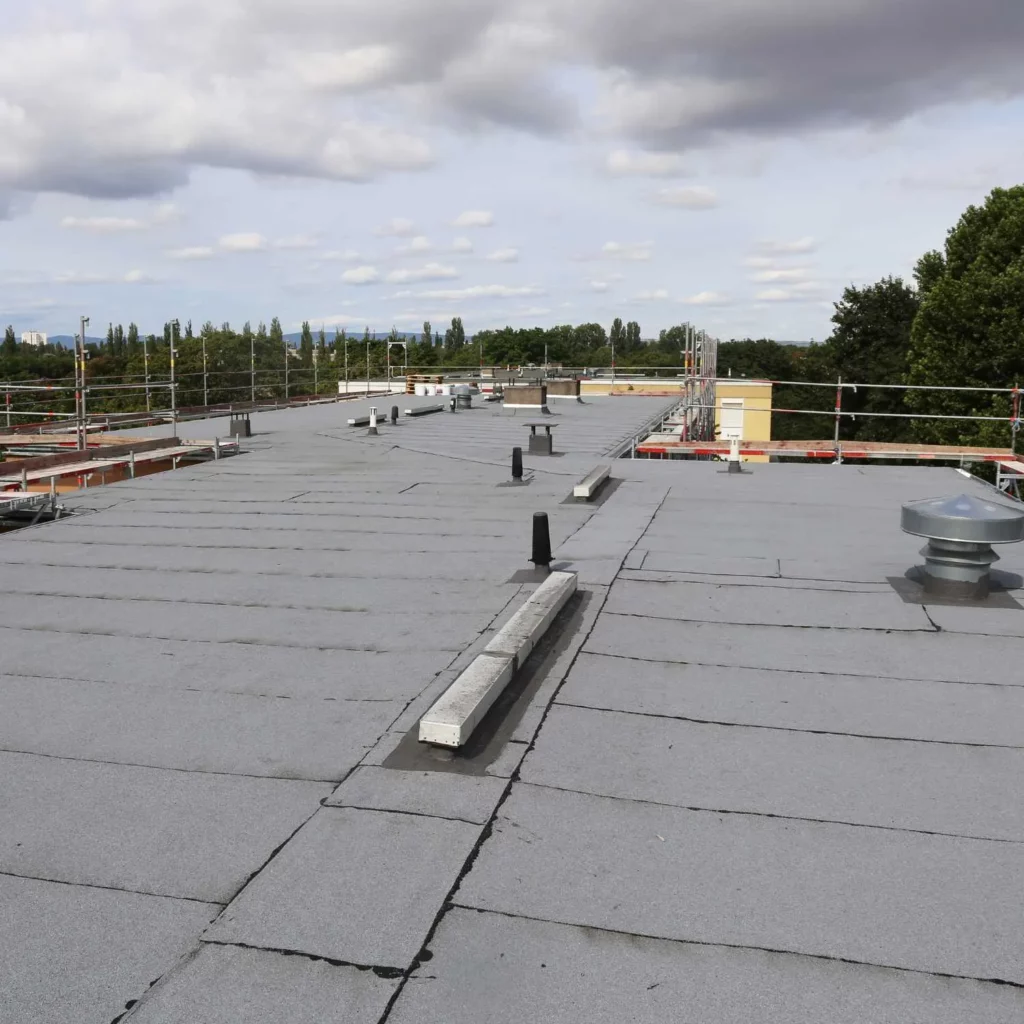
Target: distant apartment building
[{"x": 34, "y": 338}]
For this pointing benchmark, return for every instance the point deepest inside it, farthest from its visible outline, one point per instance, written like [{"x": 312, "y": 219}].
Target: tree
[
  {"x": 306, "y": 345},
  {"x": 633, "y": 341},
  {"x": 321, "y": 346},
  {"x": 276, "y": 333},
  {"x": 426, "y": 338},
  {"x": 247, "y": 332},
  {"x": 869, "y": 345},
  {"x": 969, "y": 329},
  {"x": 455, "y": 336},
  {"x": 110, "y": 339},
  {"x": 133, "y": 338},
  {"x": 10, "y": 342},
  {"x": 617, "y": 335}
]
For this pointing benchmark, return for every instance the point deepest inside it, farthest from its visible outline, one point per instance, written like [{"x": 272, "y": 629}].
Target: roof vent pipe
[
  {"x": 960, "y": 531},
  {"x": 735, "y": 466}
]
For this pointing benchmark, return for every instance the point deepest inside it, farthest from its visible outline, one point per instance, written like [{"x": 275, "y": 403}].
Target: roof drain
[{"x": 960, "y": 531}]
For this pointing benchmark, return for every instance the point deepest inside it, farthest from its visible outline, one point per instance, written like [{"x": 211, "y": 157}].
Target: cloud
[
  {"x": 707, "y": 299},
  {"x": 165, "y": 213},
  {"x": 778, "y": 295},
  {"x": 297, "y": 242},
  {"x": 633, "y": 252},
  {"x": 688, "y": 197},
  {"x": 503, "y": 256},
  {"x": 417, "y": 246},
  {"x": 103, "y": 225},
  {"x": 397, "y": 227},
  {"x": 138, "y": 277},
  {"x": 193, "y": 252},
  {"x": 342, "y": 255},
  {"x": 430, "y": 272},
  {"x": 248, "y": 241},
  {"x": 462, "y": 245},
  {"x": 474, "y": 219},
  {"x": 798, "y": 246},
  {"x": 625, "y": 162},
  {"x": 781, "y": 274},
  {"x": 315, "y": 90},
  {"x": 599, "y": 286},
  {"x": 361, "y": 275},
  {"x": 357, "y": 68},
  {"x": 488, "y": 291},
  {"x": 77, "y": 278},
  {"x": 655, "y": 295},
  {"x": 672, "y": 79}
]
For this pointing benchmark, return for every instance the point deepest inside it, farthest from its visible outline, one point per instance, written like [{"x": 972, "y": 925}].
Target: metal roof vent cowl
[{"x": 960, "y": 532}]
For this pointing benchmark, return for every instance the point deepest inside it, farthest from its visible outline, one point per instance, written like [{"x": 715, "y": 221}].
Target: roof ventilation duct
[{"x": 960, "y": 533}]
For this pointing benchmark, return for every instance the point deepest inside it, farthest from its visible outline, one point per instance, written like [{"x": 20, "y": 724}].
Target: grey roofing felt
[{"x": 753, "y": 781}]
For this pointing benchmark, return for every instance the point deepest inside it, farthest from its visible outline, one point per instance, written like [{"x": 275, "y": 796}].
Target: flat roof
[{"x": 752, "y": 776}]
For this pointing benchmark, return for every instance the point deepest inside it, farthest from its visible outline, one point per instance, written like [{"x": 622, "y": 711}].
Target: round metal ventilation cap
[{"x": 965, "y": 518}]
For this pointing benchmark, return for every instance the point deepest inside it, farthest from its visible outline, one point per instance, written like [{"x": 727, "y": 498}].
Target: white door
[{"x": 732, "y": 419}]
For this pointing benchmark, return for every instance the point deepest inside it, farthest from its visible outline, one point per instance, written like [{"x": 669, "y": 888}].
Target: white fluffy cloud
[
  {"x": 625, "y": 162},
  {"x": 462, "y": 245},
  {"x": 397, "y": 227},
  {"x": 342, "y": 255},
  {"x": 416, "y": 247},
  {"x": 474, "y": 219},
  {"x": 707, "y": 299},
  {"x": 652, "y": 295},
  {"x": 297, "y": 242},
  {"x": 79, "y": 278},
  {"x": 787, "y": 274},
  {"x": 430, "y": 272},
  {"x": 687, "y": 197},
  {"x": 361, "y": 275},
  {"x": 192, "y": 252},
  {"x": 103, "y": 225},
  {"x": 632, "y": 252},
  {"x": 798, "y": 246},
  {"x": 484, "y": 291},
  {"x": 503, "y": 256},
  {"x": 246, "y": 241}
]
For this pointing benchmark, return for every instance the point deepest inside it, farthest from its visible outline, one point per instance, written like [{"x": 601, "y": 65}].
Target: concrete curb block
[
  {"x": 451, "y": 721},
  {"x": 454, "y": 716},
  {"x": 424, "y": 410},
  {"x": 518, "y": 637},
  {"x": 588, "y": 487}
]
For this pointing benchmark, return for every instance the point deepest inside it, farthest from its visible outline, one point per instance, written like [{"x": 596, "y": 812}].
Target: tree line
[{"x": 959, "y": 324}]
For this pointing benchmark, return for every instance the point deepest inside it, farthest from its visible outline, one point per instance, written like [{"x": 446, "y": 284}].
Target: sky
[{"x": 730, "y": 163}]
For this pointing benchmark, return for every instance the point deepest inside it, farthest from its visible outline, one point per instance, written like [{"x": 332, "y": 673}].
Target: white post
[
  {"x": 145, "y": 360},
  {"x": 373, "y": 420}
]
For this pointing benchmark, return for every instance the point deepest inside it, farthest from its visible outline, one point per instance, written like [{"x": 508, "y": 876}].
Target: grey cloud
[
  {"x": 692, "y": 71},
  {"x": 672, "y": 76}
]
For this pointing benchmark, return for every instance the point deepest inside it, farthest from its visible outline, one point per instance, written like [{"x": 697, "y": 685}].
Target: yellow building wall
[{"x": 757, "y": 404}]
